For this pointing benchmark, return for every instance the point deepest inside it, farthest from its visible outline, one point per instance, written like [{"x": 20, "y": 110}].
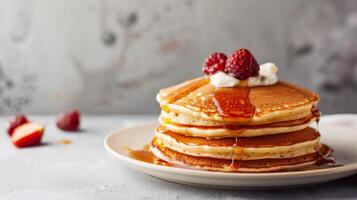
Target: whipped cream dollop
[
  {"x": 267, "y": 76},
  {"x": 221, "y": 79}
]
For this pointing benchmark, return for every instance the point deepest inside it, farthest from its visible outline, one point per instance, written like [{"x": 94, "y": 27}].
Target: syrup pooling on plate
[
  {"x": 143, "y": 154},
  {"x": 234, "y": 103},
  {"x": 146, "y": 155}
]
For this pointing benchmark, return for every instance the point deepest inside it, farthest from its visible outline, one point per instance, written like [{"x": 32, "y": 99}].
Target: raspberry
[
  {"x": 215, "y": 62},
  {"x": 242, "y": 64},
  {"x": 15, "y": 122},
  {"x": 69, "y": 121}
]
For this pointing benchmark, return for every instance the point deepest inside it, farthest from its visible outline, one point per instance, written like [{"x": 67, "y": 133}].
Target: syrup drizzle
[
  {"x": 174, "y": 94},
  {"x": 144, "y": 154},
  {"x": 234, "y": 103},
  {"x": 232, "y": 165},
  {"x": 323, "y": 160},
  {"x": 316, "y": 113}
]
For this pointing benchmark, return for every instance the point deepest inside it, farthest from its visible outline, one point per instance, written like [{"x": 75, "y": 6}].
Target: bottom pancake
[
  {"x": 283, "y": 145},
  {"x": 262, "y": 165}
]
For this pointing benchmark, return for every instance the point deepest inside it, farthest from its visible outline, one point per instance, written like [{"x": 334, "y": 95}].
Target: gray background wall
[{"x": 112, "y": 56}]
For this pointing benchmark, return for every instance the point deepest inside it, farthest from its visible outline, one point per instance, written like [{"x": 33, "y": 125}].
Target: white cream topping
[
  {"x": 221, "y": 79},
  {"x": 267, "y": 76}
]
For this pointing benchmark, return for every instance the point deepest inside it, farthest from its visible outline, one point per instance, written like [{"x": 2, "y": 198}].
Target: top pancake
[{"x": 279, "y": 102}]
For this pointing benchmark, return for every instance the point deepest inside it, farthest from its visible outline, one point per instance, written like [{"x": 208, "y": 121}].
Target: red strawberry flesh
[
  {"x": 16, "y": 121},
  {"x": 28, "y": 135},
  {"x": 69, "y": 121}
]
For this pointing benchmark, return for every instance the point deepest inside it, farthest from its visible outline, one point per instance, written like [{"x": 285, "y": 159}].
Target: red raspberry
[
  {"x": 215, "y": 62},
  {"x": 242, "y": 64},
  {"x": 15, "y": 122},
  {"x": 69, "y": 121}
]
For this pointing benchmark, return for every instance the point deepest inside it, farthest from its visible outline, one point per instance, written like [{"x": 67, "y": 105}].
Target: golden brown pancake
[
  {"x": 263, "y": 165},
  {"x": 233, "y": 127},
  {"x": 274, "y": 103},
  {"x": 235, "y": 130},
  {"x": 284, "y": 139},
  {"x": 285, "y": 145}
]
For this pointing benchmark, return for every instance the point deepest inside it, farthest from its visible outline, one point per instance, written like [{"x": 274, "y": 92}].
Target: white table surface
[{"x": 84, "y": 170}]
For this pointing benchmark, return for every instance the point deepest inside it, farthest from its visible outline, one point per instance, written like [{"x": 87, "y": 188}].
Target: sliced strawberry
[
  {"x": 14, "y": 122},
  {"x": 27, "y": 135},
  {"x": 69, "y": 121}
]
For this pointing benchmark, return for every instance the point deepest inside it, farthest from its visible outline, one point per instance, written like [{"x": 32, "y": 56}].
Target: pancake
[
  {"x": 287, "y": 145},
  {"x": 238, "y": 129},
  {"x": 274, "y": 103},
  {"x": 225, "y": 165},
  {"x": 174, "y": 123}
]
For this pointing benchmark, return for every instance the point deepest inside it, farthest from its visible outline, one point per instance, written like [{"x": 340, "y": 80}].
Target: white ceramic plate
[{"x": 338, "y": 131}]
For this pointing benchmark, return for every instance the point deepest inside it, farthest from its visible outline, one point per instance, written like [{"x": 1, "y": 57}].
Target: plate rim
[{"x": 195, "y": 172}]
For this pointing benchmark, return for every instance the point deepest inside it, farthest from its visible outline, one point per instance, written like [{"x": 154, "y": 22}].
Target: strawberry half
[{"x": 28, "y": 135}]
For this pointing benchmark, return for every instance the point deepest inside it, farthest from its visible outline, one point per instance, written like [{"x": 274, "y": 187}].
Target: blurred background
[{"x": 112, "y": 56}]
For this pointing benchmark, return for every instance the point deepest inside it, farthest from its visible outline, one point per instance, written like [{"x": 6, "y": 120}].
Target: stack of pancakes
[{"x": 241, "y": 129}]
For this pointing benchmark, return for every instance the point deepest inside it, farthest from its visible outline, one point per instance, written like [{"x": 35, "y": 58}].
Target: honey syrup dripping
[
  {"x": 323, "y": 160},
  {"x": 316, "y": 113},
  {"x": 234, "y": 103},
  {"x": 146, "y": 155}
]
